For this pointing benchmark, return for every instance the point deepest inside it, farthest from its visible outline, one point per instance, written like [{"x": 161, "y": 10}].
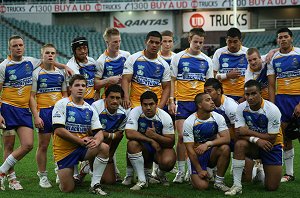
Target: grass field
[{"x": 26, "y": 171}]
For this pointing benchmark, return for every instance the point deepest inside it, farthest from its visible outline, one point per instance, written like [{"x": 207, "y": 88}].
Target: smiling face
[
  {"x": 16, "y": 48},
  {"x": 254, "y": 61}
]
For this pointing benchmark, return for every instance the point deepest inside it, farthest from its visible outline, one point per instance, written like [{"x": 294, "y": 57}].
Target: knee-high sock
[
  {"x": 238, "y": 167},
  {"x": 8, "y": 163},
  {"x": 137, "y": 161},
  {"x": 98, "y": 169},
  {"x": 289, "y": 161}
]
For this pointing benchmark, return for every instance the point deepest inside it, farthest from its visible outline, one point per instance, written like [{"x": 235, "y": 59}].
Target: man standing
[
  {"x": 150, "y": 135},
  {"x": 146, "y": 70},
  {"x": 230, "y": 64},
  {"x": 284, "y": 69},
  {"x": 78, "y": 137},
  {"x": 206, "y": 137},
  {"x": 258, "y": 137}
]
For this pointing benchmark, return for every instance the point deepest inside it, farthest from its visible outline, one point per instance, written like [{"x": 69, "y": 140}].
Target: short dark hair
[
  {"x": 154, "y": 34},
  {"x": 215, "y": 83},
  {"x": 196, "y": 31},
  {"x": 76, "y": 77},
  {"x": 251, "y": 51},
  {"x": 149, "y": 95},
  {"x": 284, "y": 29},
  {"x": 167, "y": 33},
  {"x": 199, "y": 97},
  {"x": 253, "y": 83},
  {"x": 77, "y": 42},
  {"x": 114, "y": 88},
  {"x": 14, "y": 37},
  {"x": 234, "y": 32}
]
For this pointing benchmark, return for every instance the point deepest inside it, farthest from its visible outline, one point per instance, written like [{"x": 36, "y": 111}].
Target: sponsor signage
[
  {"x": 141, "y": 5},
  {"x": 215, "y": 21},
  {"x": 133, "y": 22}
]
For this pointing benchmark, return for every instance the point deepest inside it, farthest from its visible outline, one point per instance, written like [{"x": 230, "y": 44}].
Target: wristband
[
  {"x": 253, "y": 139},
  {"x": 221, "y": 76}
]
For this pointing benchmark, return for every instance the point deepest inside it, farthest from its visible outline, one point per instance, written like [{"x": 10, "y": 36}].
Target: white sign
[
  {"x": 142, "y": 22},
  {"x": 141, "y": 5},
  {"x": 215, "y": 21}
]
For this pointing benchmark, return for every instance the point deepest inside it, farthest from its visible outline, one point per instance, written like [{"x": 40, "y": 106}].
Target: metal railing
[{"x": 278, "y": 23}]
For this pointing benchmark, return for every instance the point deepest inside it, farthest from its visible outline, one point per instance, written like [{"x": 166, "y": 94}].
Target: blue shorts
[
  {"x": 89, "y": 101},
  {"x": 46, "y": 116},
  {"x": 16, "y": 117},
  {"x": 73, "y": 158},
  {"x": 203, "y": 160},
  {"x": 151, "y": 151},
  {"x": 286, "y": 105},
  {"x": 236, "y": 98},
  {"x": 185, "y": 109},
  {"x": 274, "y": 157}
]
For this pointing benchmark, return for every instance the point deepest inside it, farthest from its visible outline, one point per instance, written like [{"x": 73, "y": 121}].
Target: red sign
[
  {"x": 118, "y": 24},
  {"x": 197, "y": 21},
  {"x": 2, "y": 9}
]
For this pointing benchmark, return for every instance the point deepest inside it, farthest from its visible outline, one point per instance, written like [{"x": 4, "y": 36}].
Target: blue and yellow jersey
[
  {"x": 147, "y": 74},
  {"x": 287, "y": 70},
  {"x": 265, "y": 120},
  {"x": 16, "y": 77},
  {"x": 48, "y": 86},
  {"x": 79, "y": 120},
  {"x": 112, "y": 66},
  {"x": 89, "y": 70},
  {"x": 224, "y": 61},
  {"x": 191, "y": 72},
  {"x": 139, "y": 122},
  {"x": 167, "y": 59},
  {"x": 199, "y": 131},
  {"x": 111, "y": 122}
]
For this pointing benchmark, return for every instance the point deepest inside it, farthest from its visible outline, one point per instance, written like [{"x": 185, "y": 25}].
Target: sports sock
[
  {"x": 219, "y": 179},
  {"x": 181, "y": 166},
  {"x": 238, "y": 167},
  {"x": 98, "y": 169},
  {"x": 137, "y": 162},
  {"x": 115, "y": 164},
  {"x": 129, "y": 171},
  {"x": 289, "y": 161},
  {"x": 8, "y": 163}
]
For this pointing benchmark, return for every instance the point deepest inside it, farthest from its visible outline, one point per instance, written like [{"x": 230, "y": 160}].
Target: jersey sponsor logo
[
  {"x": 57, "y": 115},
  {"x": 71, "y": 117}
]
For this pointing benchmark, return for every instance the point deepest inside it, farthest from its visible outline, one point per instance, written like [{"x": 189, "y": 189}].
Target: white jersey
[
  {"x": 139, "y": 122},
  {"x": 253, "y": 75},
  {"x": 167, "y": 58},
  {"x": 227, "y": 109},
  {"x": 111, "y": 122},
  {"x": 200, "y": 131}
]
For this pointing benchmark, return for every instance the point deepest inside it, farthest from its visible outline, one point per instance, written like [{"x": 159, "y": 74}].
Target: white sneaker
[
  {"x": 44, "y": 182},
  {"x": 2, "y": 179},
  {"x": 97, "y": 190},
  {"x": 128, "y": 180},
  {"x": 179, "y": 178},
  {"x": 221, "y": 187},
  {"x": 174, "y": 170},
  {"x": 234, "y": 190},
  {"x": 139, "y": 186},
  {"x": 15, "y": 185},
  {"x": 187, "y": 176}
]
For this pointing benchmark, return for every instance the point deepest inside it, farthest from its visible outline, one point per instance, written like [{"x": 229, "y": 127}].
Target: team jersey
[
  {"x": 79, "y": 120},
  {"x": 16, "y": 77},
  {"x": 260, "y": 76},
  {"x": 167, "y": 59},
  {"x": 111, "y": 122},
  {"x": 286, "y": 67},
  {"x": 112, "y": 66},
  {"x": 199, "y": 131},
  {"x": 265, "y": 120},
  {"x": 147, "y": 74},
  {"x": 224, "y": 62},
  {"x": 191, "y": 72},
  {"x": 48, "y": 86},
  {"x": 89, "y": 70},
  {"x": 139, "y": 122}
]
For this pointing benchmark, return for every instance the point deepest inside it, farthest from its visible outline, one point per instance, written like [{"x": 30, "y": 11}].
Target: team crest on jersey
[
  {"x": 27, "y": 69},
  {"x": 241, "y": 61},
  {"x": 295, "y": 62},
  {"x": 277, "y": 64},
  {"x": 71, "y": 117},
  {"x": 185, "y": 64},
  {"x": 11, "y": 74},
  {"x": 202, "y": 65},
  {"x": 109, "y": 67},
  {"x": 87, "y": 116},
  {"x": 86, "y": 76},
  {"x": 157, "y": 71}
]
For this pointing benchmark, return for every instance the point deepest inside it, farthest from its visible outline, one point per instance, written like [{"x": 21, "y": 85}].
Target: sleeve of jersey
[
  {"x": 2, "y": 71},
  {"x": 64, "y": 84},
  {"x": 128, "y": 65},
  {"x": 239, "y": 119},
  {"x": 167, "y": 73},
  {"x": 274, "y": 117},
  {"x": 132, "y": 123},
  {"x": 210, "y": 71},
  {"x": 174, "y": 66},
  {"x": 35, "y": 62},
  {"x": 95, "y": 120},
  {"x": 71, "y": 65},
  {"x": 99, "y": 67},
  {"x": 168, "y": 127},
  {"x": 34, "y": 81},
  {"x": 188, "y": 135},
  {"x": 231, "y": 113},
  {"x": 222, "y": 126},
  {"x": 123, "y": 124},
  {"x": 270, "y": 69},
  {"x": 215, "y": 60},
  {"x": 59, "y": 113}
]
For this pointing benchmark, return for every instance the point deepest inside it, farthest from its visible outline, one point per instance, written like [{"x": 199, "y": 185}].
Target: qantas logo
[
  {"x": 118, "y": 24},
  {"x": 130, "y": 23}
]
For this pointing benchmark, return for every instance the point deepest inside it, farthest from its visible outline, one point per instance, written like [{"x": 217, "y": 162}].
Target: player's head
[
  {"x": 204, "y": 102},
  {"x": 80, "y": 48},
  {"x": 214, "y": 88},
  {"x": 112, "y": 39},
  {"x": 48, "y": 53},
  {"x": 167, "y": 40},
  {"x": 284, "y": 38},
  {"x": 77, "y": 86},
  {"x": 153, "y": 42},
  {"x": 113, "y": 97},
  {"x": 16, "y": 47},
  {"x": 196, "y": 39},
  {"x": 234, "y": 40},
  {"x": 149, "y": 102},
  {"x": 252, "y": 93},
  {"x": 254, "y": 59}
]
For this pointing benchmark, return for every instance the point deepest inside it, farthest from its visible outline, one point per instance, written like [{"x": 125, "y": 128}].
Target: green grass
[{"x": 26, "y": 171}]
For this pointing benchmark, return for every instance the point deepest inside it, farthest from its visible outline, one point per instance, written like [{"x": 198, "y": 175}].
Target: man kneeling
[{"x": 75, "y": 122}]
